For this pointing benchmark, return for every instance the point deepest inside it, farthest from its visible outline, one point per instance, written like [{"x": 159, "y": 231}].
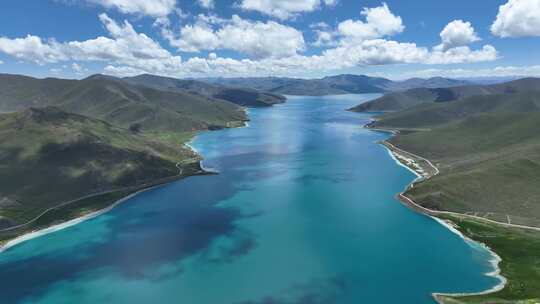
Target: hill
[
  {"x": 241, "y": 96},
  {"x": 49, "y": 156},
  {"x": 120, "y": 103},
  {"x": 339, "y": 84},
  {"x": 396, "y": 101},
  {"x": 428, "y": 115},
  {"x": 489, "y": 166},
  {"x": 486, "y": 147},
  {"x": 433, "y": 82}
]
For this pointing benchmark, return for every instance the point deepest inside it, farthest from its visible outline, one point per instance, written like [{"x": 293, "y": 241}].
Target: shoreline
[
  {"x": 42, "y": 232},
  {"x": 77, "y": 220},
  {"x": 399, "y": 156},
  {"x": 32, "y": 234}
]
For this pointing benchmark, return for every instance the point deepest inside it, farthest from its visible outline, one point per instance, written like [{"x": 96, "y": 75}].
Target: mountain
[
  {"x": 428, "y": 115},
  {"x": 489, "y": 166},
  {"x": 240, "y": 96},
  {"x": 339, "y": 84},
  {"x": 486, "y": 146},
  {"x": 48, "y": 156},
  {"x": 433, "y": 82},
  {"x": 120, "y": 103},
  {"x": 396, "y": 101}
]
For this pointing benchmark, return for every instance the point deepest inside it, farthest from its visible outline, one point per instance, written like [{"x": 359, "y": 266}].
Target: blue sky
[{"x": 300, "y": 38}]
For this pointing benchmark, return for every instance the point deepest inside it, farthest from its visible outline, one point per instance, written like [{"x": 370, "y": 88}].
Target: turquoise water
[{"x": 303, "y": 211}]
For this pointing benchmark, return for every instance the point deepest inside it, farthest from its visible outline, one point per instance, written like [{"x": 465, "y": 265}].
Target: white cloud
[
  {"x": 76, "y": 67},
  {"x": 254, "y": 38},
  {"x": 498, "y": 71},
  {"x": 518, "y": 18},
  {"x": 284, "y": 9},
  {"x": 208, "y": 4},
  {"x": 154, "y": 8},
  {"x": 1, "y": 62},
  {"x": 325, "y": 38},
  {"x": 379, "y": 22},
  {"x": 126, "y": 47},
  {"x": 462, "y": 54},
  {"x": 123, "y": 71},
  {"x": 456, "y": 34},
  {"x": 331, "y": 2},
  {"x": 274, "y": 49},
  {"x": 32, "y": 48}
]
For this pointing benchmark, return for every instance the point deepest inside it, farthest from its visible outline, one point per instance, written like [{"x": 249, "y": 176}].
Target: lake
[{"x": 303, "y": 211}]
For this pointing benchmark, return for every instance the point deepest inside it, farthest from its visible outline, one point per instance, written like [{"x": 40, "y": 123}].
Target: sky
[{"x": 396, "y": 39}]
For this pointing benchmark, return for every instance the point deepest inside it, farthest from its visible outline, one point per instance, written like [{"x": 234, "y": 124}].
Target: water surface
[{"x": 303, "y": 211}]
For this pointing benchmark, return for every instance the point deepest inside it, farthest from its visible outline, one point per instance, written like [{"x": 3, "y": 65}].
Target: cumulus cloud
[
  {"x": 32, "y": 48},
  {"x": 462, "y": 54},
  {"x": 126, "y": 47},
  {"x": 284, "y": 9},
  {"x": 517, "y": 18},
  {"x": 254, "y": 38},
  {"x": 498, "y": 71},
  {"x": 208, "y": 4},
  {"x": 380, "y": 22},
  {"x": 456, "y": 34},
  {"x": 154, "y": 8},
  {"x": 272, "y": 48}
]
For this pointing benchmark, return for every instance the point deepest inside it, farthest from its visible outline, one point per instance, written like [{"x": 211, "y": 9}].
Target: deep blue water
[{"x": 303, "y": 211}]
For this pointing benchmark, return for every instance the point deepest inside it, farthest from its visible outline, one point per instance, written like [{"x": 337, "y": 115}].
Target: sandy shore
[
  {"x": 38, "y": 233},
  {"x": 417, "y": 165}
]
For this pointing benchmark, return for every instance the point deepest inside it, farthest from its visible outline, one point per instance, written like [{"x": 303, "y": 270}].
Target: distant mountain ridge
[
  {"x": 339, "y": 84},
  {"x": 242, "y": 96},
  {"x": 396, "y": 101}
]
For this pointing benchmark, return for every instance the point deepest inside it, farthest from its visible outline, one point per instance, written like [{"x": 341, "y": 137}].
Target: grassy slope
[
  {"x": 120, "y": 103},
  {"x": 490, "y": 165},
  {"x": 520, "y": 264},
  {"x": 428, "y": 115},
  {"x": 48, "y": 156},
  {"x": 398, "y": 101}
]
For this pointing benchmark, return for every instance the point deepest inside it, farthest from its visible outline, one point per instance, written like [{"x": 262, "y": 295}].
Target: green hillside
[
  {"x": 397, "y": 101},
  {"x": 120, "y": 103},
  {"x": 241, "y": 96},
  {"x": 489, "y": 164},
  {"x": 49, "y": 156},
  {"x": 426, "y": 115}
]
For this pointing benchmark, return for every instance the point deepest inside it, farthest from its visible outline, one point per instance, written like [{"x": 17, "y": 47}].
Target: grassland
[
  {"x": 519, "y": 250},
  {"x": 402, "y": 100},
  {"x": 48, "y": 157},
  {"x": 120, "y": 103},
  {"x": 489, "y": 164}
]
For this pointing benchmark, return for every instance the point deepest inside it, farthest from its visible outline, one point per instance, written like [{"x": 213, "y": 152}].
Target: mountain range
[
  {"x": 339, "y": 84},
  {"x": 396, "y": 101}
]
